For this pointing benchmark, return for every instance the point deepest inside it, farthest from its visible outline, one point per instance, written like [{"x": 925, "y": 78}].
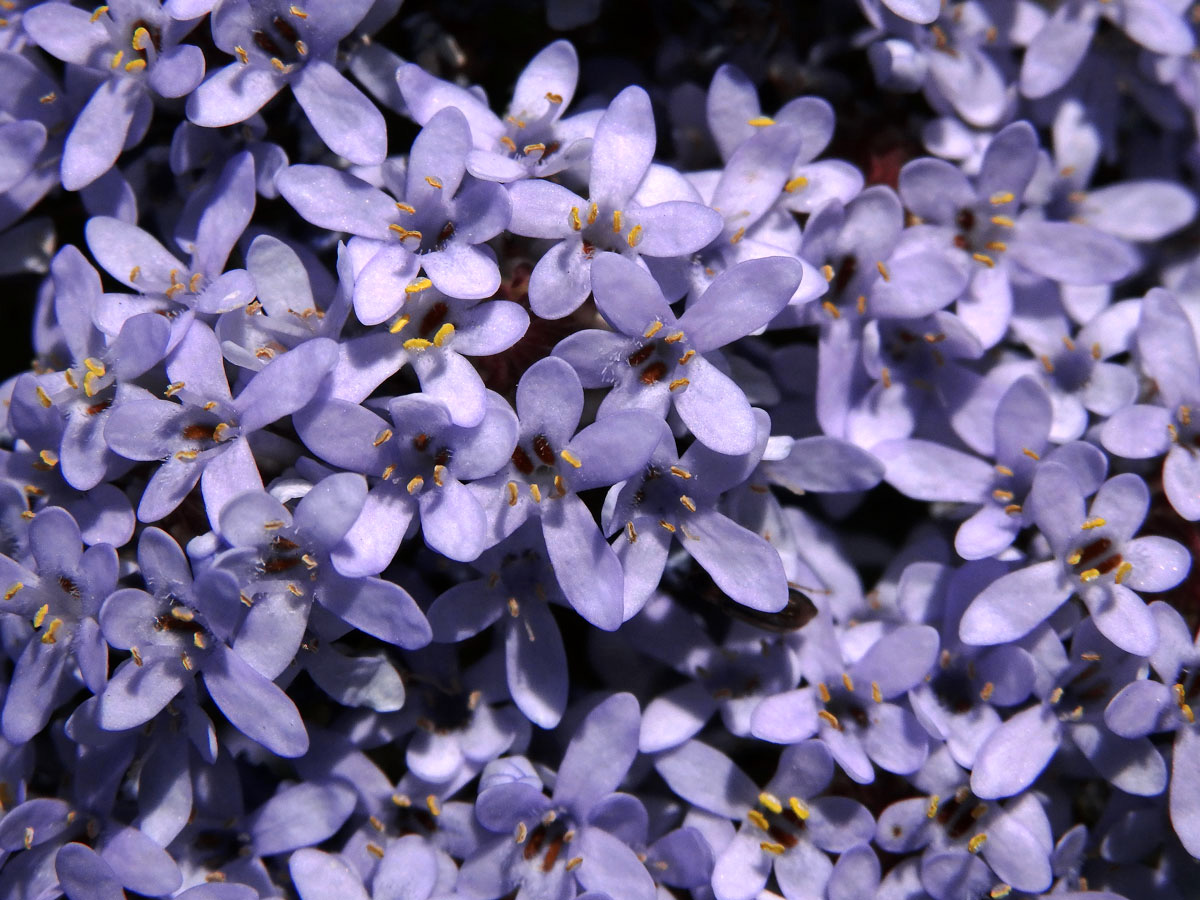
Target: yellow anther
[
  {"x": 799, "y": 808},
  {"x": 135, "y": 65},
  {"x": 1090, "y": 656},
  {"x": 137, "y": 656},
  {"x": 309, "y": 562},
  {"x": 400, "y": 323},
  {"x": 1185, "y": 415},
  {"x": 48, "y": 98},
  {"x": 242, "y": 55},
  {"x": 512, "y": 493},
  {"x": 70, "y": 379},
  {"x": 522, "y": 832},
  {"x": 985, "y": 259},
  {"x": 187, "y": 455},
  {"x": 141, "y": 38},
  {"x": 1068, "y": 343},
  {"x": 49, "y": 457},
  {"x": 28, "y": 839},
  {"x": 574, "y": 863},
  {"x": 1000, "y": 198},
  {"x": 182, "y": 613},
  {"x": 405, "y": 233},
  {"x": 560, "y": 486},
  {"x": 576, "y": 223},
  {"x": 375, "y": 850},
  {"x": 985, "y": 693},
  {"x": 758, "y": 819},
  {"x": 760, "y": 121},
  {"x": 833, "y": 311},
  {"x": 294, "y": 590},
  {"x": 664, "y": 524},
  {"x": 433, "y": 181},
  {"x": 848, "y": 681},
  {"x": 518, "y": 122},
  {"x": 1096, "y": 352},
  {"x": 997, "y": 246},
  {"x": 509, "y": 143},
  {"x": 932, "y": 809},
  {"x": 827, "y": 271},
  {"x": 194, "y": 282},
  {"x": 43, "y": 397},
  {"x": 446, "y": 331},
  {"x": 278, "y": 64},
  {"x": 40, "y": 615},
  {"x": 571, "y": 458},
  {"x": 1173, "y": 433},
  {"x": 434, "y": 807},
  {"x": 198, "y": 640},
  {"x": 96, "y": 13},
  {"x": 654, "y": 329},
  {"x": 554, "y": 98},
  {"x": 829, "y": 718},
  {"x": 876, "y": 693},
  {"x": 593, "y": 213},
  {"x": 533, "y": 148},
  {"x": 388, "y": 472},
  {"x": 535, "y": 492},
  {"x": 52, "y": 629},
  {"x": 1089, "y": 575},
  {"x": 678, "y": 383},
  {"x": 631, "y": 532},
  {"x": 770, "y": 802},
  {"x": 415, "y": 484},
  {"x": 1123, "y": 571},
  {"x": 1002, "y": 495},
  {"x": 885, "y": 376},
  {"x": 1000, "y": 891},
  {"x": 406, "y": 207},
  {"x": 796, "y": 184},
  {"x": 738, "y": 235},
  {"x": 634, "y": 237},
  {"x": 173, "y": 290},
  {"x": 1074, "y": 557},
  {"x": 687, "y": 502},
  {"x": 514, "y": 609},
  {"x": 417, "y": 344},
  {"x": 1032, "y": 454},
  {"x": 420, "y": 284},
  {"x": 383, "y": 437},
  {"x": 439, "y": 475},
  {"x": 976, "y": 842},
  {"x": 1095, "y": 522},
  {"x": 823, "y": 692},
  {"x": 674, "y": 338},
  {"x": 616, "y": 221},
  {"x": 33, "y": 490},
  {"x": 221, "y": 432},
  {"x": 883, "y": 271},
  {"x": 297, "y": 12},
  {"x": 1003, "y": 221}
]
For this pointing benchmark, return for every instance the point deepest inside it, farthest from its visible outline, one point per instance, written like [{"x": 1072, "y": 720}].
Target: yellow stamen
[
  {"x": 678, "y": 383},
  {"x": 297, "y": 12},
  {"x": 512, "y": 493},
  {"x": 680, "y": 473},
  {"x": 932, "y": 808},
  {"x": 631, "y": 532},
  {"x": 616, "y": 221},
  {"x": 405, "y": 233},
  {"x": 1001, "y": 494},
  {"x": 571, "y": 458},
  {"x": 398, "y": 326},
  {"x": 687, "y": 357},
  {"x": 634, "y": 237},
  {"x": 1096, "y": 522},
  {"x": 654, "y": 329},
  {"x": 876, "y": 693},
  {"x": 554, "y": 98},
  {"x": 574, "y": 863},
  {"x": 420, "y": 284},
  {"x": 415, "y": 484},
  {"x": 795, "y": 184},
  {"x": 535, "y": 492},
  {"x": 383, "y": 437},
  {"x": 1089, "y": 575},
  {"x": 439, "y": 475},
  {"x": 1000, "y": 198},
  {"x": 593, "y": 213},
  {"x": 985, "y": 259},
  {"x": 985, "y": 693},
  {"x": 187, "y": 455},
  {"x": 388, "y": 472},
  {"x": 242, "y": 55},
  {"x": 770, "y": 802},
  {"x": 738, "y": 235},
  {"x": 49, "y": 457},
  {"x": 688, "y": 503},
  {"x": 135, "y": 65},
  {"x": 433, "y": 181},
  {"x": 576, "y": 224},
  {"x": 96, "y": 13},
  {"x": 799, "y": 808},
  {"x": 417, "y": 344},
  {"x": 827, "y": 271},
  {"x": 434, "y": 807},
  {"x": 830, "y": 718},
  {"x": 442, "y": 334},
  {"x": 1074, "y": 557},
  {"x": 848, "y": 682},
  {"x": 998, "y": 246},
  {"x": 40, "y": 615},
  {"x": 1003, "y": 221},
  {"x": 663, "y": 523},
  {"x": 1123, "y": 571},
  {"x": 976, "y": 842},
  {"x": 758, "y": 819},
  {"x": 760, "y": 121},
  {"x": 51, "y": 629},
  {"x": 674, "y": 338},
  {"x": 278, "y": 64},
  {"x": 1000, "y": 891},
  {"x": 533, "y": 148},
  {"x": 823, "y": 692},
  {"x": 560, "y": 486},
  {"x": 883, "y": 271},
  {"x": 831, "y": 309}
]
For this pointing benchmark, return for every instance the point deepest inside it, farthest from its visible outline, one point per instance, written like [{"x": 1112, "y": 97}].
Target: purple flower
[
  {"x": 612, "y": 220},
  {"x": 657, "y": 360},
  {"x": 277, "y": 44},
  {"x": 440, "y": 223},
  {"x": 1095, "y": 556}
]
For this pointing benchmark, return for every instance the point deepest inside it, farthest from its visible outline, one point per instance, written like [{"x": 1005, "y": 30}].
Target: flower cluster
[{"x": 608, "y": 493}]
